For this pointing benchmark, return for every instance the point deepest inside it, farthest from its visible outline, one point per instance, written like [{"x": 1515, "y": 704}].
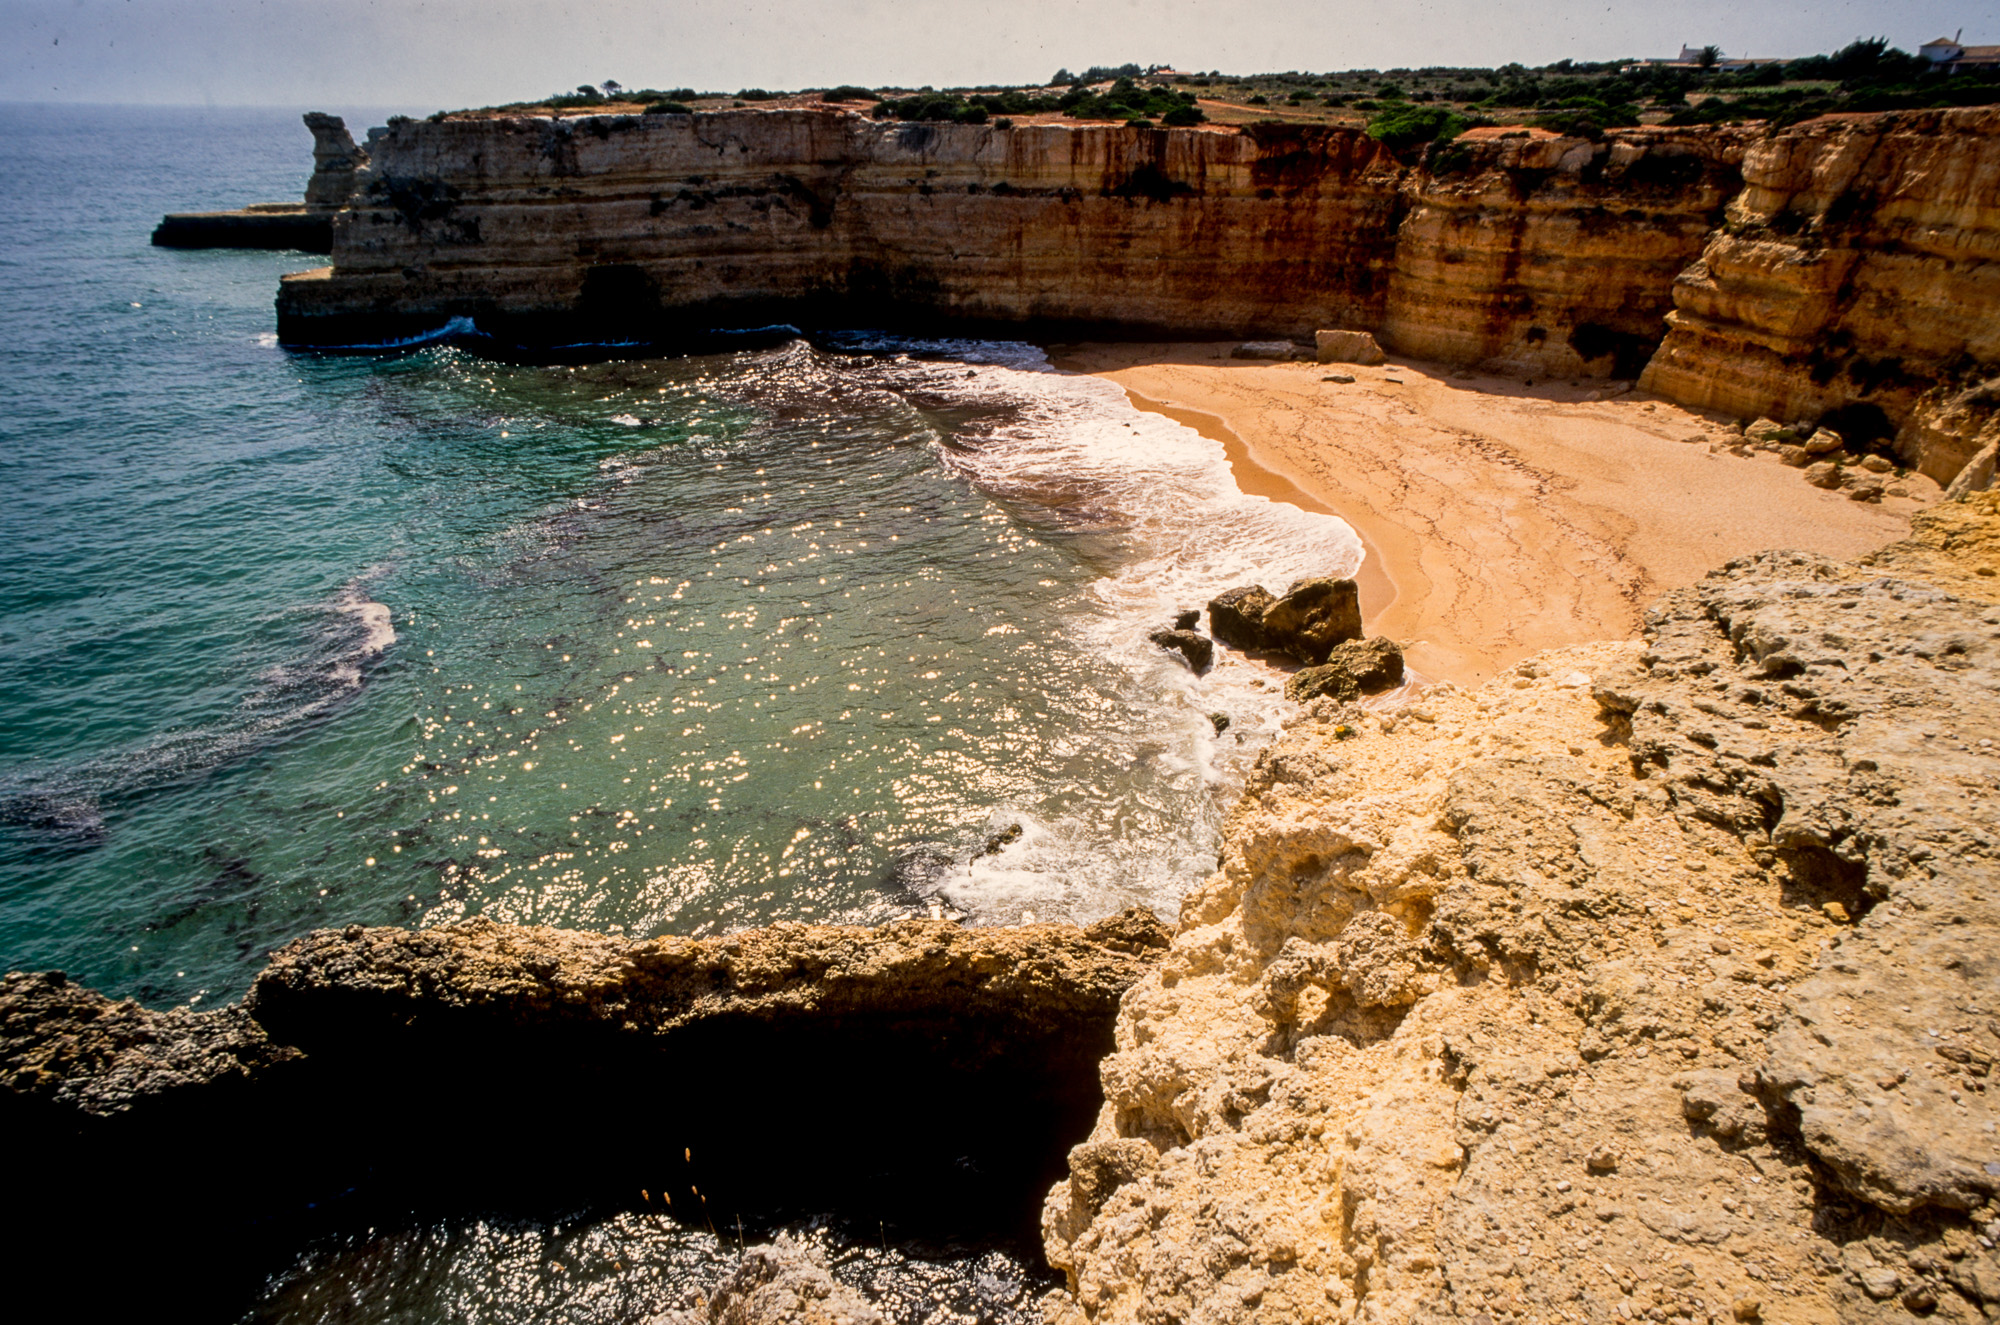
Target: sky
[{"x": 447, "y": 54}]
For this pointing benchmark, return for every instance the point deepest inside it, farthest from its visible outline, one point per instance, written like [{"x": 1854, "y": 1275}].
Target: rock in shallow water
[
  {"x": 783, "y": 1283},
  {"x": 1237, "y": 616},
  {"x": 1305, "y": 624},
  {"x": 1198, "y": 650}
]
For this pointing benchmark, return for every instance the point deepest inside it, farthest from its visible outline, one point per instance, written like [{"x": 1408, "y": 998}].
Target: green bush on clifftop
[{"x": 1405, "y": 124}]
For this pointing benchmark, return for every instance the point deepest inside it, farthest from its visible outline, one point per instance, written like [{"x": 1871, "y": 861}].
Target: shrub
[
  {"x": 667, "y": 108},
  {"x": 1586, "y": 117},
  {"x": 846, "y": 92},
  {"x": 1003, "y": 123},
  {"x": 1405, "y": 125},
  {"x": 1259, "y": 100},
  {"x": 757, "y": 94},
  {"x": 1126, "y": 101},
  {"x": 1182, "y": 116}
]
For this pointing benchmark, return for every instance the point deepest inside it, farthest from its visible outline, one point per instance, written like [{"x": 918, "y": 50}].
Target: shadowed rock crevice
[{"x": 921, "y": 1079}]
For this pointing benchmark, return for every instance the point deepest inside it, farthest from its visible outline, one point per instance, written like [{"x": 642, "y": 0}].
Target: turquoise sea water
[{"x": 659, "y": 646}]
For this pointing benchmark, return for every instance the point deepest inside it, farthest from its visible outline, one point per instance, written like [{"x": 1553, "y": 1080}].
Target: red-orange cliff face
[{"x": 1793, "y": 273}]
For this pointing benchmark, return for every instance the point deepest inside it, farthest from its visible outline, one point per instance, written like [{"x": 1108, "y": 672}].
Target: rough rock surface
[
  {"x": 1353, "y": 669},
  {"x": 917, "y": 1075},
  {"x": 67, "y": 1048},
  {"x": 1313, "y": 616},
  {"x": 1196, "y": 648},
  {"x": 335, "y": 161},
  {"x": 1648, "y": 980},
  {"x": 784, "y": 1282},
  {"x": 1347, "y": 347},
  {"x": 1236, "y": 616},
  {"x": 526, "y": 975}
]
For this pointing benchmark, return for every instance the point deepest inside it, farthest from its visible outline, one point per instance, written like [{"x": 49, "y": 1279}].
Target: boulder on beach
[
  {"x": 1197, "y": 649},
  {"x": 1312, "y": 617},
  {"x": 1236, "y": 616},
  {"x": 1347, "y": 347},
  {"x": 1188, "y": 619},
  {"x": 1265, "y": 349},
  {"x": 1355, "y": 668}
]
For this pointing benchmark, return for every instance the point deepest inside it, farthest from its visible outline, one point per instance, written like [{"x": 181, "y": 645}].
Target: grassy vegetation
[{"x": 1401, "y": 107}]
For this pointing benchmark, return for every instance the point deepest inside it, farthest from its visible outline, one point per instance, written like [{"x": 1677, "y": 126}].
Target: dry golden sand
[{"x": 1500, "y": 517}]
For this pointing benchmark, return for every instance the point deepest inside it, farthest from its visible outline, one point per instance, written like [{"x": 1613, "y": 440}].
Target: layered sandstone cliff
[
  {"x": 1649, "y": 980},
  {"x": 1860, "y": 264},
  {"x": 1548, "y": 256},
  {"x": 1549, "y": 253},
  {"x": 1844, "y": 267}
]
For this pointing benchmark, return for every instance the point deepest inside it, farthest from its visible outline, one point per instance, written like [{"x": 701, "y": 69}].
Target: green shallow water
[
  {"x": 648, "y": 647},
  {"x": 651, "y": 646}
]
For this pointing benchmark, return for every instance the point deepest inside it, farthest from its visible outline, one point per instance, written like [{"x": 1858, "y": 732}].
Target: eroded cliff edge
[
  {"x": 1653, "y": 979},
  {"x": 921, "y": 1077},
  {"x": 1846, "y": 267}
]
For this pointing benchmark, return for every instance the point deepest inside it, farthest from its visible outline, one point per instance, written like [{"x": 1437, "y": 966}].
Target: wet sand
[{"x": 1500, "y": 517}]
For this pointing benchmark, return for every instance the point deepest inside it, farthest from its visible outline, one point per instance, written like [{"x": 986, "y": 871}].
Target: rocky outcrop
[
  {"x": 1649, "y": 980},
  {"x": 335, "y": 161},
  {"x": 783, "y": 1283},
  {"x": 1352, "y": 669},
  {"x": 306, "y": 227},
  {"x": 920, "y": 1075},
  {"x": 1305, "y": 624},
  {"x": 1858, "y": 270}
]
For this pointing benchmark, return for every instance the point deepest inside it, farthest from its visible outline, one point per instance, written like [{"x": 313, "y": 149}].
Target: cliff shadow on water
[{"x": 918, "y": 1084}]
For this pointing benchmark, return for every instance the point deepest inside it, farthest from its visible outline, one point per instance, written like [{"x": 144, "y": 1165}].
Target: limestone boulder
[
  {"x": 1236, "y": 616},
  {"x": 1347, "y": 347}
]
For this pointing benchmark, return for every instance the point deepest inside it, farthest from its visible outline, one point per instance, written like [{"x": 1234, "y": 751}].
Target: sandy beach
[{"x": 1501, "y": 517}]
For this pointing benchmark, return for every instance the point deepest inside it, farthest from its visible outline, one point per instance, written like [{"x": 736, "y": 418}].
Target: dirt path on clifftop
[{"x": 1501, "y": 517}]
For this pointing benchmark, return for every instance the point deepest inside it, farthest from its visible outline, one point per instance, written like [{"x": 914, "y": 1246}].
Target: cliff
[
  {"x": 1547, "y": 256},
  {"x": 615, "y": 227},
  {"x": 1650, "y": 979},
  {"x": 1859, "y": 266},
  {"x": 1843, "y": 269}
]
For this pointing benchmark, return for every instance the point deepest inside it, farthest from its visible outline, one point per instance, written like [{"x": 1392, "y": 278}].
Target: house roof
[{"x": 1941, "y": 41}]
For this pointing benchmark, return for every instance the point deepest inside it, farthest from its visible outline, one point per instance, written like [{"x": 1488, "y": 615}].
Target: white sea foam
[{"x": 1076, "y": 445}]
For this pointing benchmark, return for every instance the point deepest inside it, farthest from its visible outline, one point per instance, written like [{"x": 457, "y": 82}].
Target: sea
[{"x": 805, "y": 630}]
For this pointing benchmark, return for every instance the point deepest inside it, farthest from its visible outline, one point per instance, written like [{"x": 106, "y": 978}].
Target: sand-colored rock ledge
[{"x": 1647, "y": 980}]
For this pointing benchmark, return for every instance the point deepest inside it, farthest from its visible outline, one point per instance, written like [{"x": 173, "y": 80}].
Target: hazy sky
[{"x": 451, "y": 53}]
